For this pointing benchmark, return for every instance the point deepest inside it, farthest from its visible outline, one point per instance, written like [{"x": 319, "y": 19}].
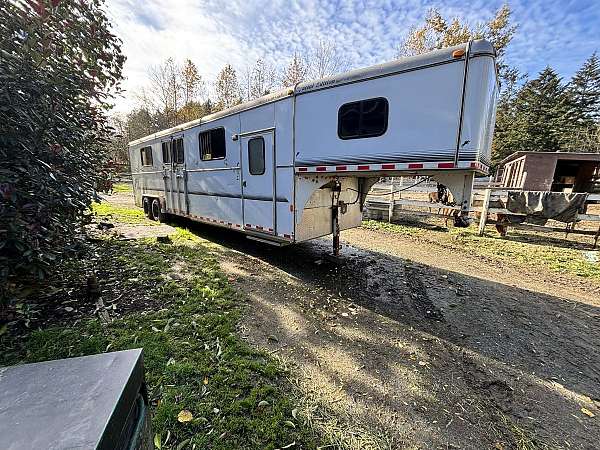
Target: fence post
[
  {"x": 400, "y": 193},
  {"x": 391, "y": 202},
  {"x": 484, "y": 211}
]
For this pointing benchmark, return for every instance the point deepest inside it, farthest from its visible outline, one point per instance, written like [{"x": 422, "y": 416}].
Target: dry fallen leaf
[
  {"x": 184, "y": 416},
  {"x": 587, "y": 412},
  {"x": 205, "y": 380}
]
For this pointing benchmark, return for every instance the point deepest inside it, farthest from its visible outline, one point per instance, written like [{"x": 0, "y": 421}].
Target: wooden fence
[{"x": 394, "y": 198}]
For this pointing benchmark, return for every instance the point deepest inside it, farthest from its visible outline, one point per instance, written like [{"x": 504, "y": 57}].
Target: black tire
[
  {"x": 156, "y": 211},
  {"x": 147, "y": 210}
]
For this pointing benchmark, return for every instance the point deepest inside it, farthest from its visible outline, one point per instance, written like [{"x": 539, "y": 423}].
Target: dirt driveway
[{"x": 402, "y": 344}]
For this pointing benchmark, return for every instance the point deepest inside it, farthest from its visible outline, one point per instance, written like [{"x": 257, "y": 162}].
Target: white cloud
[{"x": 213, "y": 33}]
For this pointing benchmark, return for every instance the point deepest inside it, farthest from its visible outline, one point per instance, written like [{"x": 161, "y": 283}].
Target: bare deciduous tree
[
  {"x": 192, "y": 82},
  {"x": 174, "y": 93},
  {"x": 227, "y": 88},
  {"x": 295, "y": 72},
  {"x": 325, "y": 61},
  {"x": 437, "y": 32},
  {"x": 263, "y": 78},
  {"x": 165, "y": 90}
]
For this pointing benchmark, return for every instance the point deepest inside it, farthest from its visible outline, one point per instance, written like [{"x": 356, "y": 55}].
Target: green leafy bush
[{"x": 59, "y": 67}]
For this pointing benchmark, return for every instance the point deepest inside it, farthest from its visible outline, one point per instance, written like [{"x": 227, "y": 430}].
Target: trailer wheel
[
  {"x": 156, "y": 212},
  {"x": 146, "y": 204}
]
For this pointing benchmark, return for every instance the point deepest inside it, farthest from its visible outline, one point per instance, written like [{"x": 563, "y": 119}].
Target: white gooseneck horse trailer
[{"x": 297, "y": 164}]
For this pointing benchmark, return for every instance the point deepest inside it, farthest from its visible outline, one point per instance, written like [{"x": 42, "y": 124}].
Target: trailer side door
[{"x": 258, "y": 181}]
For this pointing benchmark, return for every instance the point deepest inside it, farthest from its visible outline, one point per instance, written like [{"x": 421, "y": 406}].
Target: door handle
[{"x": 243, "y": 183}]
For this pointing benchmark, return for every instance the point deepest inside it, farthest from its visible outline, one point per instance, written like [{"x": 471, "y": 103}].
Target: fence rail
[{"x": 388, "y": 201}]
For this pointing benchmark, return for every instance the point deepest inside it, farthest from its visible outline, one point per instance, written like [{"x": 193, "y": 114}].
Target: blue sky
[{"x": 559, "y": 33}]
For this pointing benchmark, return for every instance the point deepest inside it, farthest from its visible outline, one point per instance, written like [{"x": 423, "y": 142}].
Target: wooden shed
[{"x": 550, "y": 171}]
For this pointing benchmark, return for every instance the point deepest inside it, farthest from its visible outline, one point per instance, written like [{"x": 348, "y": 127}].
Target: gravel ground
[{"x": 402, "y": 344}]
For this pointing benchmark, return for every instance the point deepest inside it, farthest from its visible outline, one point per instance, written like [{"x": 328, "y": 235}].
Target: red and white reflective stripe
[
  {"x": 396, "y": 166},
  {"x": 479, "y": 166},
  {"x": 217, "y": 221},
  {"x": 237, "y": 225},
  {"x": 258, "y": 228}
]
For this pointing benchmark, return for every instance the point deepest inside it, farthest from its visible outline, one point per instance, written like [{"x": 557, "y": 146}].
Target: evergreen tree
[
  {"x": 585, "y": 88},
  {"x": 507, "y": 136},
  {"x": 540, "y": 116},
  {"x": 544, "y": 113}
]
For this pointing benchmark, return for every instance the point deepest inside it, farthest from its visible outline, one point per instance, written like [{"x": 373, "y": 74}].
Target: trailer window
[
  {"x": 256, "y": 156},
  {"x": 166, "y": 152},
  {"x": 212, "y": 144},
  {"x": 146, "y": 153},
  {"x": 178, "y": 155},
  {"x": 363, "y": 119}
]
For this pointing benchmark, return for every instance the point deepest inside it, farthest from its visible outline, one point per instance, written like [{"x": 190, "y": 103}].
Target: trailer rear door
[{"x": 258, "y": 181}]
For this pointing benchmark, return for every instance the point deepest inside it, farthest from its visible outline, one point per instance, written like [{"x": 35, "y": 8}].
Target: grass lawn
[
  {"x": 172, "y": 300},
  {"x": 122, "y": 187},
  {"x": 557, "y": 259},
  {"x": 111, "y": 213}
]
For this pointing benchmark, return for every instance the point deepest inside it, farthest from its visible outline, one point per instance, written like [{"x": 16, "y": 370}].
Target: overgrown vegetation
[
  {"x": 531, "y": 255},
  {"x": 59, "y": 63},
  {"x": 181, "y": 310}
]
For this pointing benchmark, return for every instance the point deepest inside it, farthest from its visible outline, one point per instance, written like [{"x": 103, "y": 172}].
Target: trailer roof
[{"x": 478, "y": 47}]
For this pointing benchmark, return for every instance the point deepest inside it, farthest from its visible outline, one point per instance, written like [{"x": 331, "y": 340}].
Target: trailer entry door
[
  {"x": 258, "y": 181},
  {"x": 173, "y": 156}
]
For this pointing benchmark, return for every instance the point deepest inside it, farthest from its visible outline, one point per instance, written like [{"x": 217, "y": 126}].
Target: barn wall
[{"x": 539, "y": 172}]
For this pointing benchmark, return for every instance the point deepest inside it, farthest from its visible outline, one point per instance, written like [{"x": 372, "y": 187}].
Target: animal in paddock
[
  {"x": 502, "y": 224},
  {"x": 433, "y": 197},
  {"x": 444, "y": 196}
]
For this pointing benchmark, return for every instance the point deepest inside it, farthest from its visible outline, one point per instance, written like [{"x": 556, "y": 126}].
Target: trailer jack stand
[{"x": 335, "y": 212}]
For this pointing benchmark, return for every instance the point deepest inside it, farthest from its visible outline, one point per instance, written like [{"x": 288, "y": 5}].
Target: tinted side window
[
  {"x": 166, "y": 152},
  {"x": 212, "y": 144},
  {"x": 256, "y": 156},
  {"x": 178, "y": 154},
  {"x": 362, "y": 119},
  {"x": 146, "y": 153}
]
